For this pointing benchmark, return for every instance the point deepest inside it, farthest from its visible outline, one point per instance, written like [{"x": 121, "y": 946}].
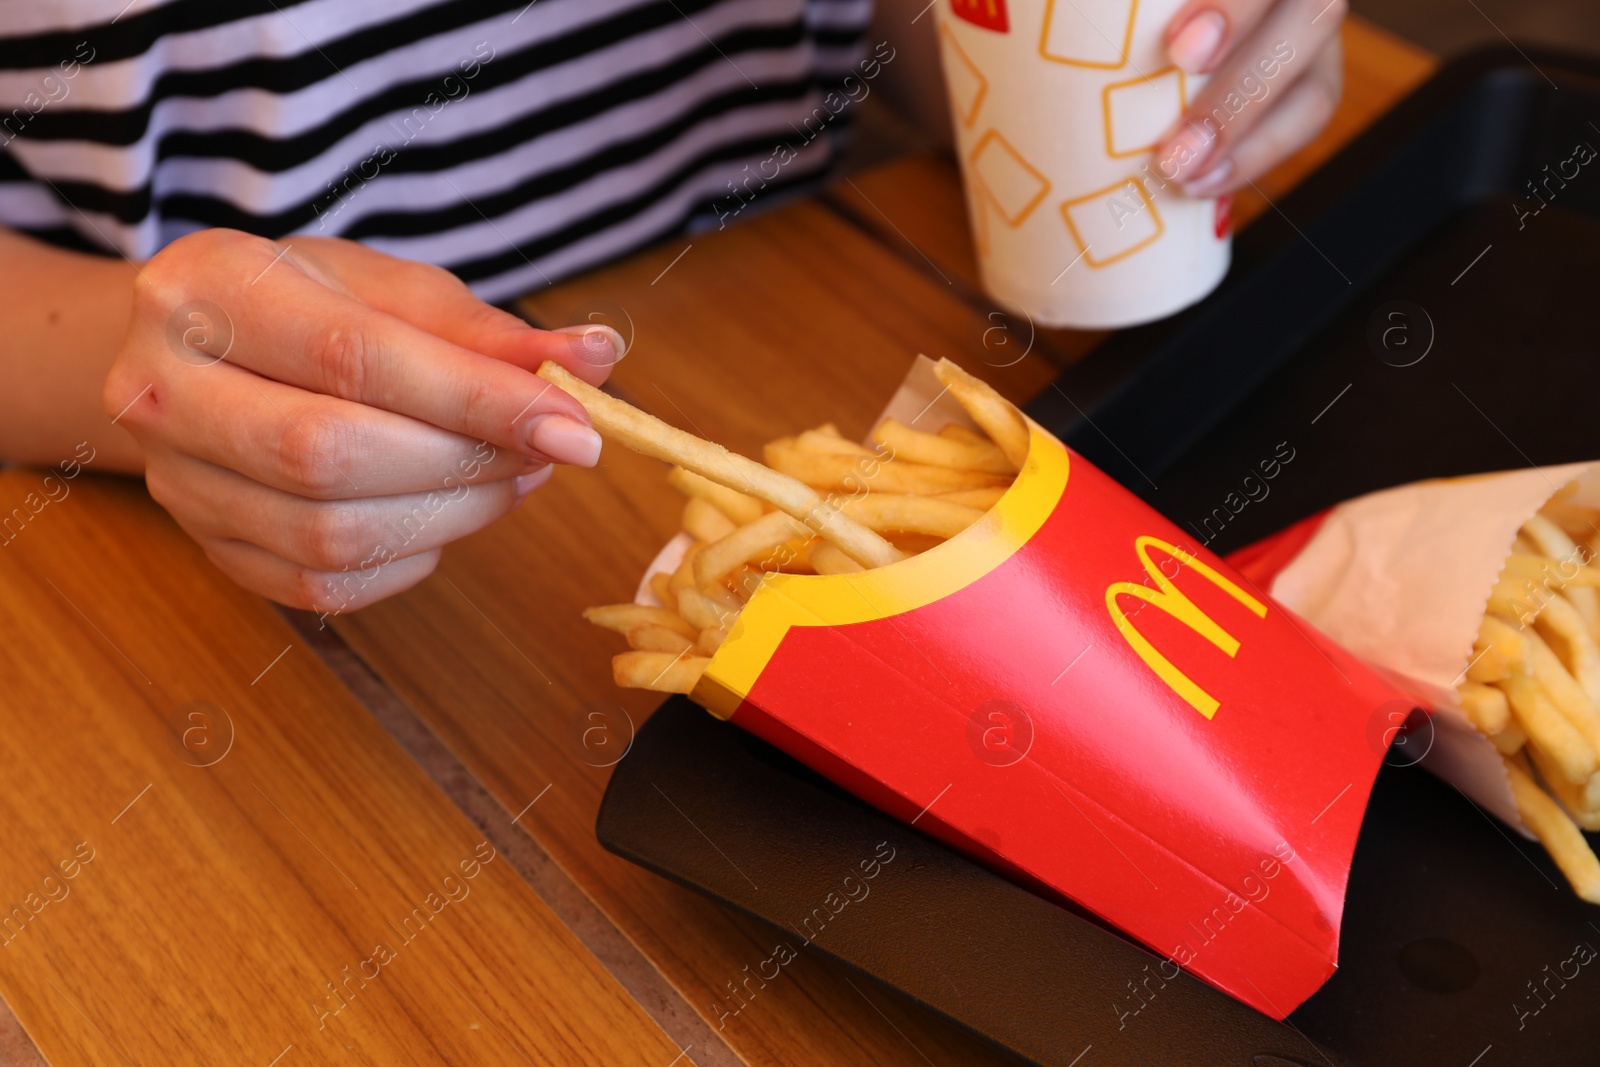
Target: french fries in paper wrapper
[{"x": 1063, "y": 686}]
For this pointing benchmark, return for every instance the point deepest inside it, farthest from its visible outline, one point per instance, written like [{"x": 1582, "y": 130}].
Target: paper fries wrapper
[
  {"x": 1066, "y": 693},
  {"x": 1402, "y": 577}
]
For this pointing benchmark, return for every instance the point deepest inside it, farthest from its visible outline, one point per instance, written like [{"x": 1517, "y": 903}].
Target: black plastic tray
[{"x": 1404, "y": 314}]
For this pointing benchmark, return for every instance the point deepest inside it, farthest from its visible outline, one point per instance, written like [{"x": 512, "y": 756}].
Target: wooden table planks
[{"x": 218, "y": 902}]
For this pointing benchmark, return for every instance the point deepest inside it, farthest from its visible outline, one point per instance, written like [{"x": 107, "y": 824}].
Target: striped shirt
[{"x": 512, "y": 142}]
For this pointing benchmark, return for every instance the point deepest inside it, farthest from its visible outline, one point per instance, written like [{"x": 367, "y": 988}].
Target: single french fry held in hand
[{"x": 648, "y": 435}]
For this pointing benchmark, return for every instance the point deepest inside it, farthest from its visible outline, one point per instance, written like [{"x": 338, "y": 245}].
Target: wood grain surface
[{"x": 181, "y": 882}]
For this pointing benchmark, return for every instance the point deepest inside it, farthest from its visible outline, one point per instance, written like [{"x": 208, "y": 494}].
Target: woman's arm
[{"x": 64, "y": 315}]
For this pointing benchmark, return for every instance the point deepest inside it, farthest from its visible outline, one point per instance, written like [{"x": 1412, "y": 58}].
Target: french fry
[
  {"x": 704, "y": 521},
  {"x": 957, "y": 432},
  {"x": 1560, "y": 837},
  {"x": 649, "y": 637},
  {"x": 982, "y": 499},
  {"x": 661, "y": 586},
  {"x": 854, "y": 474},
  {"x": 683, "y": 577},
  {"x": 1565, "y": 554},
  {"x": 1563, "y": 690},
  {"x": 746, "y": 544},
  {"x": 992, "y": 412},
  {"x": 829, "y": 560},
  {"x": 1510, "y": 741},
  {"x": 1560, "y": 574},
  {"x": 911, "y": 514},
  {"x": 710, "y": 640},
  {"x": 1486, "y": 706},
  {"x": 917, "y": 447},
  {"x": 624, "y": 617},
  {"x": 817, "y": 441},
  {"x": 732, "y": 503},
  {"x": 648, "y": 435},
  {"x": 661, "y": 671},
  {"x": 1570, "y": 796},
  {"x": 1569, "y": 635},
  {"x": 700, "y": 612},
  {"x": 1503, "y": 641},
  {"x": 1549, "y": 729},
  {"x": 1577, "y": 521},
  {"x": 914, "y": 544}
]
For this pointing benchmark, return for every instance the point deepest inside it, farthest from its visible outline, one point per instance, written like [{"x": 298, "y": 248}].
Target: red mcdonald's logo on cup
[{"x": 990, "y": 14}]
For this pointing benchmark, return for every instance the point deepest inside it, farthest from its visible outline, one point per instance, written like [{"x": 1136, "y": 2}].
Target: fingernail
[
  {"x": 596, "y": 345},
  {"x": 1188, "y": 152},
  {"x": 523, "y": 484},
  {"x": 1195, "y": 46},
  {"x": 564, "y": 440},
  {"x": 1213, "y": 182}
]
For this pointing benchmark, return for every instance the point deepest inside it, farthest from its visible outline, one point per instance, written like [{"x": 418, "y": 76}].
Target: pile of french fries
[
  {"x": 821, "y": 504},
  {"x": 1533, "y": 684}
]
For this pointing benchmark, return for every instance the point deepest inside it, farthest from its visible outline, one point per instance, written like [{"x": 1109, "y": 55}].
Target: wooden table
[{"x": 229, "y": 835}]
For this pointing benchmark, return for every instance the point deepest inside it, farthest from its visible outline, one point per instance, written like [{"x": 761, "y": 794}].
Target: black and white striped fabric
[{"x": 509, "y": 141}]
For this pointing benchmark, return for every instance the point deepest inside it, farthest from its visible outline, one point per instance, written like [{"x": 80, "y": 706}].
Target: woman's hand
[
  {"x": 1275, "y": 72},
  {"x": 322, "y": 417}
]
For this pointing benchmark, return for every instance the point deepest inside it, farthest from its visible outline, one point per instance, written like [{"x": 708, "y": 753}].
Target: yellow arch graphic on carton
[
  {"x": 1171, "y": 600},
  {"x": 785, "y": 600}
]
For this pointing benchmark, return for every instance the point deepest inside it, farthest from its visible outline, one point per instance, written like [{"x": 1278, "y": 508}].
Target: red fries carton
[{"x": 1067, "y": 693}]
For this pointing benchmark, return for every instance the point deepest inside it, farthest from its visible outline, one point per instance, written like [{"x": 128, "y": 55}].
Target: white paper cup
[{"x": 1057, "y": 105}]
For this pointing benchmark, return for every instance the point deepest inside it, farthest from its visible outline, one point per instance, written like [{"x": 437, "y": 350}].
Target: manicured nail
[
  {"x": 596, "y": 345},
  {"x": 523, "y": 484},
  {"x": 564, "y": 440},
  {"x": 1195, "y": 46},
  {"x": 1212, "y": 183}
]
